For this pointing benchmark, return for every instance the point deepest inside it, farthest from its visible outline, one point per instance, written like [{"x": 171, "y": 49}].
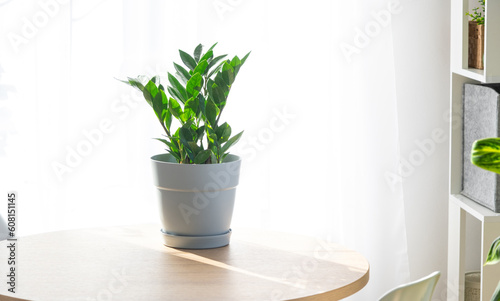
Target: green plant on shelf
[
  {"x": 478, "y": 13},
  {"x": 198, "y": 95},
  {"x": 486, "y": 154}
]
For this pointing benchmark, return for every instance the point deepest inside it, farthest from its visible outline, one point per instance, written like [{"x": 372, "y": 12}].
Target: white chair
[{"x": 419, "y": 290}]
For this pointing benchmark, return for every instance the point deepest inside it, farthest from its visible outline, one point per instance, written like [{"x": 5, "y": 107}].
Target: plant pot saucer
[{"x": 196, "y": 242}]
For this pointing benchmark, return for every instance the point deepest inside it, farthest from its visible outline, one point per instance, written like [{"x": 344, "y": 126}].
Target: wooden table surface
[{"x": 130, "y": 263}]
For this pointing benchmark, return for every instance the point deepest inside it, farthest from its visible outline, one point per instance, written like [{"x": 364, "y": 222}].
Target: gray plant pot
[{"x": 196, "y": 201}]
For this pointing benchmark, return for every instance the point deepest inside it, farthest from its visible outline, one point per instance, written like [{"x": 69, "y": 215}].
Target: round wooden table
[{"x": 130, "y": 263}]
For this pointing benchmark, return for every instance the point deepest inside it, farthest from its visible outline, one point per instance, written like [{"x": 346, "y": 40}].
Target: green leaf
[
  {"x": 202, "y": 156},
  {"x": 215, "y": 70},
  {"x": 193, "y": 86},
  {"x": 168, "y": 119},
  {"x": 212, "y": 137},
  {"x": 183, "y": 74},
  {"x": 149, "y": 92},
  {"x": 245, "y": 58},
  {"x": 214, "y": 61},
  {"x": 218, "y": 96},
  {"x": 160, "y": 105},
  {"x": 134, "y": 82},
  {"x": 176, "y": 85},
  {"x": 227, "y": 73},
  {"x": 207, "y": 55},
  {"x": 185, "y": 137},
  {"x": 201, "y": 104},
  {"x": 486, "y": 154},
  {"x": 195, "y": 147},
  {"x": 174, "y": 108},
  {"x": 174, "y": 93},
  {"x": 223, "y": 132},
  {"x": 201, "y": 67},
  {"x": 187, "y": 60},
  {"x": 211, "y": 112},
  {"x": 191, "y": 108},
  {"x": 221, "y": 83},
  {"x": 494, "y": 253},
  {"x": 236, "y": 64},
  {"x": 176, "y": 155},
  {"x": 231, "y": 142},
  {"x": 167, "y": 143},
  {"x": 200, "y": 132},
  {"x": 197, "y": 52},
  {"x": 211, "y": 48}
]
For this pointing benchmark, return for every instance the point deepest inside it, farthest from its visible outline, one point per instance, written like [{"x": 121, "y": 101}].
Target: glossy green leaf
[
  {"x": 245, "y": 58},
  {"x": 202, "y": 156},
  {"x": 231, "y": 142},
  {"x": 186, "y": 138},
  {"x": 212, "y": 48},
  {"x": 183, "y": 73},
  {"x": 194, "y": 147},
  {"x": 201, "y": 104},
  {"x": 174, "y": 93},
  {"x": 167, "y": 143},
  {"x": 160, "y": 105},
  {"x": 197, "y": 52},
  {"x": 223, "y": 132},
  {"x": 207, "y": 55},
  {"x": 494, "y": 253},
  {"x": 174, "y": 108},
  {"x": 211, "y": 112},
  {"x": 212, "y": 137},
  {"x": 486, "y": 154},
  {"x": 200, "y": 132},
  {"x": 191, "y": 108},
  {"x": 187, "y": 60},
  {"x": 221, "y": 83},
  {"x": 236, "y": 64},
  {"x": 214, "y": 71},
  {"x": 176, "y": 154},
  {"x": 214, "y": 61},
  {"x": 193, "y": 86},
  {"x": 218, "y": 97},
  {"x": 227, "y": 74},
  {"x": 134, "y": 82},
  {"x": 176, "y": 85},
  {"x": 149, "y": 92},
  {"x": 201, "y": 67}
]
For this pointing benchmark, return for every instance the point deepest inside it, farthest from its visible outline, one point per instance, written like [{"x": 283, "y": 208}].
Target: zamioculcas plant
[
  {"x": 195, "y": 96},
  {"x": 486, "y": 154}
]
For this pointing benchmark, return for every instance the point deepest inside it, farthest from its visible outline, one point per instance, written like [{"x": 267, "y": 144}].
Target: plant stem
[{"x": 165, "y": 128}]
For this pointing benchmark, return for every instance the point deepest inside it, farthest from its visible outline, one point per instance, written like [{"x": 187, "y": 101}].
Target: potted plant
[
  {"x": 476, "y": 36},
  {"x": 197, "y": 177},
  {"x": 486, "y": 154}
]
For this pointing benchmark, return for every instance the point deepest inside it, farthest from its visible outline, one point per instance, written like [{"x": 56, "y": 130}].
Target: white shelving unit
[{"x": 460, "y": 205}]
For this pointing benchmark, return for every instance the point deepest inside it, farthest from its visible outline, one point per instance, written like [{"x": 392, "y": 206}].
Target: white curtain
[{"x": 343, "y": 104}]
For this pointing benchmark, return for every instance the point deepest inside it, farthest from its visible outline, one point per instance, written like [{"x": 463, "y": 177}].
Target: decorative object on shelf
[
  {"x": 476, "y": 37},
  {"x": 481, "y": 107},
  {"x": 473, "y": 286},
  {"x": 197, "y": 178},
  {"x": 494, "y": 258}
]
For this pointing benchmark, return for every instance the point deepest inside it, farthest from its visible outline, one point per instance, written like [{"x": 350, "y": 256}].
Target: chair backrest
[{"x": 419, "y": 290}]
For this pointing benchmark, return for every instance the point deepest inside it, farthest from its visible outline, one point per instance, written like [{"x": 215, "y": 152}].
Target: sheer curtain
[{"x": 343, "y": 104}]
